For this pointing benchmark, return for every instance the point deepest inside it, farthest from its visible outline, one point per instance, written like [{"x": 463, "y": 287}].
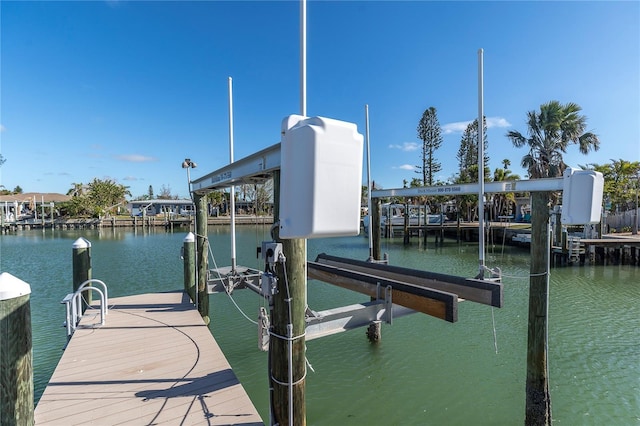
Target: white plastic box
[
  {"x": 581, "y": 196},
  {"x": 320, "y": 177}
]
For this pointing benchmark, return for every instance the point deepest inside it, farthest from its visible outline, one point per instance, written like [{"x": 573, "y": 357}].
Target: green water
[{"x": 423, "y": 372}]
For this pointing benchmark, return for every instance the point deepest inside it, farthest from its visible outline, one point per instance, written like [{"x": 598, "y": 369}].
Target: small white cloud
[
  {"x": 461, "y": 126},
  {"x": 404, "y": 167},
  {"x": 406, "y": 146},
  {"x": 457, "y": 127},
  {"x": 497, "y": 122},
  {"x": 136, "y": 158}
]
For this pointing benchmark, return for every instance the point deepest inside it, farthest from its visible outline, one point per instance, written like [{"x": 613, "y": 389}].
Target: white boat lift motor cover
[{"x": 320, "y": 177}]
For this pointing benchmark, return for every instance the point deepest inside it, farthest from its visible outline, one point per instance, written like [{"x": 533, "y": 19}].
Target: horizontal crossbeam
[
  {"x": 254, "y": 168},
  {"x": 345, "y": 318},
  {"x": 436, "y": 303},
  {"x": 533, "y": 185},
  {"x": 481, "y": 291}
]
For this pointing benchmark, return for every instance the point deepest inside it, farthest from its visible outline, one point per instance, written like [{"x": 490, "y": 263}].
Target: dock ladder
[{"x": 73, "y": 304}]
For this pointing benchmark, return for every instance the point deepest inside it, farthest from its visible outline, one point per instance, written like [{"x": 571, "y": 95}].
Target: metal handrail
[{"x": 73, "y": 304}]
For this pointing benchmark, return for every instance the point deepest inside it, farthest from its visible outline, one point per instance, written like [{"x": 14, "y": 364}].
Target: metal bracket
[{"x": 388, "y": 304}]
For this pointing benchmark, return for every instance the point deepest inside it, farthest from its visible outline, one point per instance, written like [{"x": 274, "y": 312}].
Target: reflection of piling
[
  {"x": 189, "y": 259},
  {"x": 82, "y": 267},
  {"x": 16, "y": 362}
]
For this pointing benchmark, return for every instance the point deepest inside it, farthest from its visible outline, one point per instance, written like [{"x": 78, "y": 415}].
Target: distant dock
[
  {"x": 153, "y": 362},
  {"x": 129, "y": 222}
]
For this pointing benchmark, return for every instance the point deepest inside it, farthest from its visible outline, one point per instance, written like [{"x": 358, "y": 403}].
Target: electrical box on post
[
  {"x": 320, "y": 177},
  {"x": 581, "y": 196}
]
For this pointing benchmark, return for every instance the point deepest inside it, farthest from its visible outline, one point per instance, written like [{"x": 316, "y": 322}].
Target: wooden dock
[{"x": 153, "y": 362}]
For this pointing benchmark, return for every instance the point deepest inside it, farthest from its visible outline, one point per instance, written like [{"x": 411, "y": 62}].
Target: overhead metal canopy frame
[{"x": 257, "y": 168}]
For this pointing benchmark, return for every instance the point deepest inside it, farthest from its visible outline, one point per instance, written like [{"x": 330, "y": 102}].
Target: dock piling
[
  {"x": 189, "y": 261},
  {"x": 16, "y": 359},
  {"x": 202, "y": 252},
  {"x": 81, "y": 256}
]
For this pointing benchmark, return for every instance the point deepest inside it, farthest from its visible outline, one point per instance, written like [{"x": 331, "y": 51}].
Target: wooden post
[
  {"x": 538, "y": 399},
  {"x": 202, "y": 251},
  {"x": 376, "y": 231},
  {"x": 81, "y": 249},
  {"x": 189, "y": 261},
  {"x": 289, "y": 305},
  {"x": 406, "y": 223},
  {"x": 426, "y": 224},
  {"x": 16, "y": 359}
]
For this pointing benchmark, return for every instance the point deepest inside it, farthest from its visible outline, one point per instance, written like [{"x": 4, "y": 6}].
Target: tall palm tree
[{"x": 550, "y": 131}]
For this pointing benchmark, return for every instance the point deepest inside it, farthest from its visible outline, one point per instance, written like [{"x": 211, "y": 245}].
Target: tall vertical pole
[
  {"x": 81, "y": 258},
  {"x": 202, "y": 250},
  {"x": 538, "y": 399},
  {"x": 287, "y": 343},
  {"x": 481, "y": 164},
  {"x": 232, "y": 201},
  {"x": 635, "y": 222},
  {"x": 303, "y": 58},
  {"x": 369, "y": 189}
]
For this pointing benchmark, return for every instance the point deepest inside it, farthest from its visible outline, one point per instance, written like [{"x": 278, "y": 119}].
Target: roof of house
[{"x": 46, "y": 197}]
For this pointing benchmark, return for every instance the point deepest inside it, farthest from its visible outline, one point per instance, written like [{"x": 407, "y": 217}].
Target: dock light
[{"x": 188, "y": 164}]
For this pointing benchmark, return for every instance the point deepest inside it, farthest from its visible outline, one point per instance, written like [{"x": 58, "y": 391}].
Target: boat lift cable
[{"x": 213, "y": 259}]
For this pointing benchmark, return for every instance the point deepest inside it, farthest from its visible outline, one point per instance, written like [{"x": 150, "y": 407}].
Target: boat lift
[{"x": 427, "y": 292}]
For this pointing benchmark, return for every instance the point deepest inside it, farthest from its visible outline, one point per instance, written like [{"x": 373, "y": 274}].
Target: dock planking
[{"x": 153, "y": 362}]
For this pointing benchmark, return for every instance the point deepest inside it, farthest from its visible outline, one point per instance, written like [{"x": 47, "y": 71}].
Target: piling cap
[
  {"x": 190, "y": 238},
  {"x": 12, "y": 287},
  {"x": 81, "y": 243}
]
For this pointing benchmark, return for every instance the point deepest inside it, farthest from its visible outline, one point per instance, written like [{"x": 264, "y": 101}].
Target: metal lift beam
[
  {"x": 487, "y": 292},
  {"x": 436, "y": 303}
]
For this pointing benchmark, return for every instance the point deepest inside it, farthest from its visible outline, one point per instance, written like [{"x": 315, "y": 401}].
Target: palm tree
[{"x": 551, "y": 131}]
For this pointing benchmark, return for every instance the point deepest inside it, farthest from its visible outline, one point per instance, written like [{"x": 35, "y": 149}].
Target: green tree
[
  {"x": 620, "y": 179},
  {"x": 503, "y": 201},
  {"x": 105, "y": 195},
  {"x": 551, "y": 131},
  {"x": 150, "y": 192},
  {"x": 95, "y": 199},
  {"x": 467, "y": 155},
  {"x": 429, "y": 133}
]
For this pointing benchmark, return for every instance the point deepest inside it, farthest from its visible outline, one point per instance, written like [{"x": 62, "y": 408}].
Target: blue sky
[{"x": 127, "y": 90}]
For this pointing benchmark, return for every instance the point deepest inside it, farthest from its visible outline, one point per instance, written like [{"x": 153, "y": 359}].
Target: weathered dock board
[{"x": 153, "y": 362}]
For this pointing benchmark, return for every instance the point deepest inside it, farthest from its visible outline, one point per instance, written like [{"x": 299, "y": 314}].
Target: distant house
[
  {"x": 30, "y": 204},
  {"x": 161, "y": 207}
]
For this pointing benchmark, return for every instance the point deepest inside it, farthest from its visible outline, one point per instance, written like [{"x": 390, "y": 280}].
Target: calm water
[{"x": 423, "y": 372}]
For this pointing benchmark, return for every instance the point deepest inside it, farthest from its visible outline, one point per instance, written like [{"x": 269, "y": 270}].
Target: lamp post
[{"x": 188, "y": 164}]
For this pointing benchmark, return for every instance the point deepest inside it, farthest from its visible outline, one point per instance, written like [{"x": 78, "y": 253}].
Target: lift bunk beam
[
  {"x": 432, "y": 302},
  {"x": 488, "y": 291}
]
